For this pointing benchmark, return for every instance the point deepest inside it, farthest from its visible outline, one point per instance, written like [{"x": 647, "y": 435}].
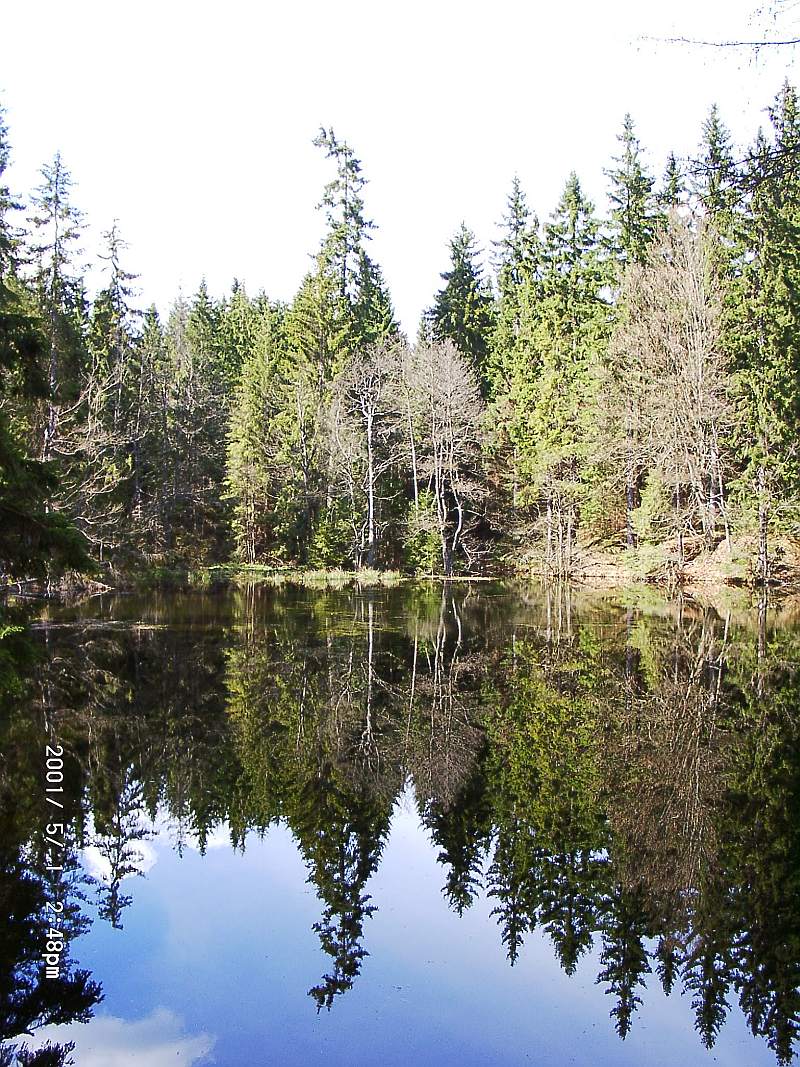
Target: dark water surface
[{"x": 468, "y": 825}]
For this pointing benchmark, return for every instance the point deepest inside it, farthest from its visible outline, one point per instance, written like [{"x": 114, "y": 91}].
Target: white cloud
[{"x": 155, "y": 1041}]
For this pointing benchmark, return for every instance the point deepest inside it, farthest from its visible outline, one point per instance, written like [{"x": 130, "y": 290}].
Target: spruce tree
[
  {"x": 56, "y": 229},
  {"x": 673, "y": 186},
  {"x": 631, "y": 196},
  {"x": 764, "y": 332},
  {"x": 518, "y": 264},
  {"x": 348, "y": 227},
  {"x": 571, "y": 331},
  {"x": 513, "y": 358},
  {"x": 361, "y": 289},
  {"x": 33, "y": 539},
  {"x": 463, "y": 310},
  {"x": 715, "y": 178},
  {"x": 260, "y": 464}
]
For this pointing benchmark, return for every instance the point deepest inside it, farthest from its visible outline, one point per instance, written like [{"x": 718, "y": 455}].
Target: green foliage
[
  {"x": 127, "y": 442},
  {"x": 33, "y": 539},
  {"x": 625, "y": 780},
  {"x": 463, "y": 310},
  {"x": 651, "y": 520},
  {"x": 332, "y": 536},
  {"x": 632, "y": 209},
  {"x": 764, "y": 329},
  {"x": 422, "y": 546}
]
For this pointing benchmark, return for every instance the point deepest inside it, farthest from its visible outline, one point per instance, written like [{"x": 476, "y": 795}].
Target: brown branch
[{"x": 722, "y": 44}]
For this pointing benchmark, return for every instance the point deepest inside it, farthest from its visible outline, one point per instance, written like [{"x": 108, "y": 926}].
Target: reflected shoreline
[{"x": 619, "y": 777}]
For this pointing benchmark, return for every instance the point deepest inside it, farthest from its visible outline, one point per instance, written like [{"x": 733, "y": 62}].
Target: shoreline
[{"x": 603, "y": 576}]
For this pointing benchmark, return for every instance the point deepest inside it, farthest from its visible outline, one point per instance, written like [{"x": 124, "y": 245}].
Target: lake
[{"x": 468, "y": 824}]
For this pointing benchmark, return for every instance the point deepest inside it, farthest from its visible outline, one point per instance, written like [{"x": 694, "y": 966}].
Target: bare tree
[
  {"x": 776, "y": 27},
  {"x": 667, "y": 351},
  {"x": 446, "y": 401},
  {"x": 363, "y": 438}
]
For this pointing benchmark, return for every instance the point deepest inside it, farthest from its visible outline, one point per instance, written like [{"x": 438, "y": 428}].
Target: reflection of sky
[{"x": 218, "y": 954}]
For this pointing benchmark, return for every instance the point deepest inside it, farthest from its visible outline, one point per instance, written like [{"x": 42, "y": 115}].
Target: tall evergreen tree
[
  {"x": 348, "y": 227},
  {"x": 56, "y": 228},
  {"x": 518, "y": 263},
  {"x": 715, "y": 175},
  {"x": 765, "y": 330},
  {"x": 260, "y": 462},
  {"x": 512, "y": 362},
  {"x": 673, "y": 186},
  {"x": 463, "y": 310},
  {"x": 33, "y": 539},
  {"x": 573, "y": 325},
  {"x": 362, "y": 290},
  {"x": 632, "y": 209}
]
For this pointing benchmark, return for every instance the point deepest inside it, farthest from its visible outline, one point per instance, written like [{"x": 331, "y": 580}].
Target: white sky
[{"x": 192, "y": 122}]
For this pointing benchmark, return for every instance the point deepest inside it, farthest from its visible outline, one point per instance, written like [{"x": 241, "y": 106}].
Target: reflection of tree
[
  {"x": 609, "y": 775},
  {"x": 329, "y": 722},
  {"x": 29, "y": 1000},
  {"x": 665, "y": 759},
  {"x": 760, "y": 832},
  {"x": 544, "y": 781},
  {"x": 707, "y": 963},
  {"x": 341, "y": 836},
  {"x": 462, "y": 830},
  {"x": 443, "y": 736},
  {"x": 308, "y": 713},
  {"x": 116, "y": 840},
  {"x": 446, "y": 752},
  {"x": 624, "y": 959}
]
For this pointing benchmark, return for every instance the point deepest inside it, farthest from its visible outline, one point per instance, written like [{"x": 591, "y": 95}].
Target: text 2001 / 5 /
[{"x": 54, "y": 853}]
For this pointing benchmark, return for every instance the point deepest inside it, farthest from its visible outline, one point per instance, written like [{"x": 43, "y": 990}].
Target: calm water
[{"x": 466, "y": 826}]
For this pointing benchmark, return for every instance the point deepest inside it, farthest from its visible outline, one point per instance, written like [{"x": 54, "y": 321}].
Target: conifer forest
[{"x": 614, "y": 390}]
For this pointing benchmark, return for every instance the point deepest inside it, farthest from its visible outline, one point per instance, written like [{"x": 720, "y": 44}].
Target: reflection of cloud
[
  {"x": 143, "y": 858},
  {"x": 219, "y": 837},
  {"x": 406, "y": 802},
  {"x": 156, "y": 1041}
]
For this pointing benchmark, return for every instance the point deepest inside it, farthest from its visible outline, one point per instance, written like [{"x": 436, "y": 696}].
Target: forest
[{"x": 614, "y": 387}]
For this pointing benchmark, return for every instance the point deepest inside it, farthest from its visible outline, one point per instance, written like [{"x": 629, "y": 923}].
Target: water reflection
[{"x": 616, "y": 777}]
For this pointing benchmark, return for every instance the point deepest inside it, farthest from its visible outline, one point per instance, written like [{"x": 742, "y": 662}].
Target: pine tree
[
  {"x": 632, "y": 209},
  {"x": 571, "y": 330},
  {"x": 463, "y": 310},
  {"x": 56, "y": 226},
  {"x": 673, "y": 187},
  {"x": 715, "y": 179},
  {"x": 764, "y": 331},
  {"x": 33, "y": 539}
]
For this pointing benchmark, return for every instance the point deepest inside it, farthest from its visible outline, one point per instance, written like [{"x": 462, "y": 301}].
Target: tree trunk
[
  {"x": 762, "y": 566},
  {"x": 370, "y": 494}
]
